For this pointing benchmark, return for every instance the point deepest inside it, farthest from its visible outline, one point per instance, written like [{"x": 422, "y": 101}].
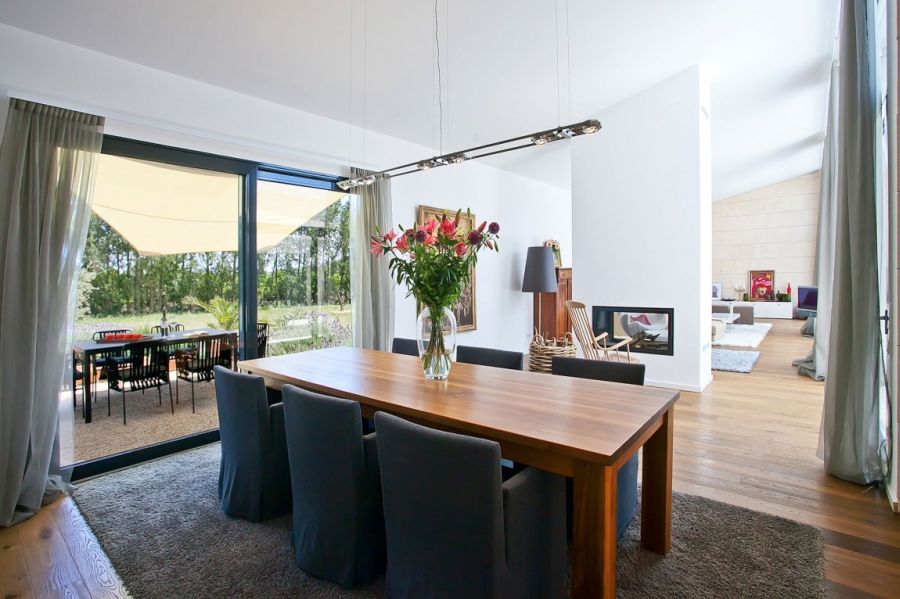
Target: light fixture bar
[{"x": 534, "y": 139}]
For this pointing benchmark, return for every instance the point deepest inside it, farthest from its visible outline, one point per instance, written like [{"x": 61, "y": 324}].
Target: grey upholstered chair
[
  {"x": 484, "y": 356},
  {"x": 338, "y": 527},
  {"x": 254, "y": 482},
  {"x": 454, "y": 530},
  {"x": 616, "y": 372},
  {"x": 409, "y": 347}
]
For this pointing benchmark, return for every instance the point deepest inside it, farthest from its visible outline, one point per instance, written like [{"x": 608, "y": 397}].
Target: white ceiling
[{"x": 768, "y": 60}]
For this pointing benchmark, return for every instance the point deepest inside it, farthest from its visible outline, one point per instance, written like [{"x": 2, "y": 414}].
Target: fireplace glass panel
[{"x": 652, "y": 330}]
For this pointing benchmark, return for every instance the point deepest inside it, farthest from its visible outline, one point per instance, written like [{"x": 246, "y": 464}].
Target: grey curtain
[
  {"x": 372, "y": 291},
  {"x": 47, "y": 164},
  {"x": 851, "y": 419},
  {"x": 815, "y": 365}
]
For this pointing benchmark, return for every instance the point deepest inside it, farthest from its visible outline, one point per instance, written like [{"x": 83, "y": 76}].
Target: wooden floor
[{"x": 749, "y": 440}]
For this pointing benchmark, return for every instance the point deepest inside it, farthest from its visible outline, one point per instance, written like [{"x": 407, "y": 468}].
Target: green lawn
[{"x": 290, "y": 327}]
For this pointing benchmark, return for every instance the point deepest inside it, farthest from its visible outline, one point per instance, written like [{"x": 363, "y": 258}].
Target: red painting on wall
[{"x": 762, "y": 285}]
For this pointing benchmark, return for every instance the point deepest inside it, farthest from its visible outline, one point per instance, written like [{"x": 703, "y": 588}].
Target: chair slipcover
[
  {"x": 338, "y": 527},
  {"x": 484, "y": 356},
  {"x": 254, "y": 482},
  {"x": 616, "y": 372},
  {"x": 409, "y": 347},
  {"x": 454, "y": 530}
]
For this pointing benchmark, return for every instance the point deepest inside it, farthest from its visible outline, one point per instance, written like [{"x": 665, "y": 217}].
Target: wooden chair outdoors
[{"x": 595, "y": 347}]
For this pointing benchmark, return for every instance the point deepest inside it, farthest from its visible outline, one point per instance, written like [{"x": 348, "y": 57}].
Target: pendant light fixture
[{"x": 540, "y": 138}]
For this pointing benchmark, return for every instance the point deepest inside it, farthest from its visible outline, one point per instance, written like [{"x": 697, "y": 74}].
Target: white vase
[{"x": 437, "y": 342}]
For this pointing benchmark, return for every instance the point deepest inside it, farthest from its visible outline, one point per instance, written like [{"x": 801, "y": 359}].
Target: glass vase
[{"x": 437, "y": 341}]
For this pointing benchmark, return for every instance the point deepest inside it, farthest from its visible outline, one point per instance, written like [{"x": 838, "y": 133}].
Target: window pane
[
  {"x": 303, "y": 267},
  {"x": 161, "y": 250}
]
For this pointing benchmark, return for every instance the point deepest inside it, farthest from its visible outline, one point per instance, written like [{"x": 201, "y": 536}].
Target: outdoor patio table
[{"x": 88, "y": 350}]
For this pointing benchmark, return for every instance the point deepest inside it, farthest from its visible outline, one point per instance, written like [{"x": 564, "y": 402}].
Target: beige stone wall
[{"x": 769, "y": 228}]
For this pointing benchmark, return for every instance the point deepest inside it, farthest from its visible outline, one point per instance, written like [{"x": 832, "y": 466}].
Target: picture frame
[
  {"x": 762, "y": 285},
  {"x": 465, "y": 309},
  {"x": 557, "y": 254},
  {"x": 717, "y": 291}
]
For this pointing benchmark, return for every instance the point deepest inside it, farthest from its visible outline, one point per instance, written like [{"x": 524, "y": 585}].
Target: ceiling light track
[{"x": 540, "y": 138}]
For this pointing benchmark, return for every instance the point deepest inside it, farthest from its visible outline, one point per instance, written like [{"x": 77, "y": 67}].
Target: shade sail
[{"x": 165, "y": 209}]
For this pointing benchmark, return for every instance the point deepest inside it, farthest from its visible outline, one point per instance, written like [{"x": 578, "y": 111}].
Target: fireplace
[{"x": 652, "y": 329}]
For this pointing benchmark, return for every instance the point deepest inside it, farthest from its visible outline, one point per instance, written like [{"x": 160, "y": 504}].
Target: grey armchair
[
  {"x": 254, "y": 482},
  {"x": 338, "y": 527},
  {"x": 454, "y": 530},
  {"x": 626, "y": 481}
]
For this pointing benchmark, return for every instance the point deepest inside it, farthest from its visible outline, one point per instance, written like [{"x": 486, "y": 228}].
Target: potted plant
[{"x": 433, "y": 261}]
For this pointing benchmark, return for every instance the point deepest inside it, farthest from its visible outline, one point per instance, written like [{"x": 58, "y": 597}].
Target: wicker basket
[{"x": 542, "y": 351}]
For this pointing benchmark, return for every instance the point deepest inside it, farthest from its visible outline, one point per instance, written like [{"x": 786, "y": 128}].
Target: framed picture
[
  {"x": 465, "y": 308},
  {"x": 717, "y": 291},
  {"x": 557, "y": 255},
  {"x": 762, "y": 285}
]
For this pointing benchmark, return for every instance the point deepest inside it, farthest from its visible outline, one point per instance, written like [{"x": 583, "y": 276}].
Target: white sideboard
[{"x": 764, "y": 309}]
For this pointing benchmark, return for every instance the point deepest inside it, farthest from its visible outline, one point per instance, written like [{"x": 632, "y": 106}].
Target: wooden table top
[{"x": 584, "y": 419}]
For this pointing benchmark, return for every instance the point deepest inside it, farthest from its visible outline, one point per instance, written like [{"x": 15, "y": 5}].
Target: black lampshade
[{"x": 540, "y": 271}]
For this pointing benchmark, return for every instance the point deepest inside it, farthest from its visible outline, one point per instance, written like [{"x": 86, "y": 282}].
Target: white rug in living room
[
  {"x": 743, "y": 335},
  {"x": 734, "y": 360}
]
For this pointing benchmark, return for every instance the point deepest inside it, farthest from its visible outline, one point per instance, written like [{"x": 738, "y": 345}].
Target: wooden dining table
[
  {"x": 87, "y": 350},
  {"x": 584, "y": 429}
]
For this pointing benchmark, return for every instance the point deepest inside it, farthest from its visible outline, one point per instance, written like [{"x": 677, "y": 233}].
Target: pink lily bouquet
[{"x": 434, "y": 262}]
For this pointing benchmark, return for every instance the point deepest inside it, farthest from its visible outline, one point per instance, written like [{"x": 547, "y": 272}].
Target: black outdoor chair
[
  {"x": 196, "y": 364},
  {"x": 165, "y": 329},
  {"x": 107, "y": 360},
  {"x": 145, "y": 365},
  {"x": 407, "y": 347},
  {"x": 77, "y": 375},
  {"x": 262, "y": 339}
]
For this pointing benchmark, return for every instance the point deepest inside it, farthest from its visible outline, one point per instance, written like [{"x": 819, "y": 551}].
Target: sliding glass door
[
  {"x": 160, "y": 266},
  {"x": 303, "y": 265},
  {"x": 207, "y": 260}
]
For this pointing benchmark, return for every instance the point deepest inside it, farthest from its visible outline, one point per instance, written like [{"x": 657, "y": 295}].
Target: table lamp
[{"x": 540, "y": 276}]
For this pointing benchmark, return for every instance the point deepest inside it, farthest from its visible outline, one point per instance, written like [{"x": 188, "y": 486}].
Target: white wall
[
  {"x": 528, "y": 212},
  {"x": 773, "y": 227},
  {"x": 641, "y": 202},
  {"x": 144, "y": 103}
]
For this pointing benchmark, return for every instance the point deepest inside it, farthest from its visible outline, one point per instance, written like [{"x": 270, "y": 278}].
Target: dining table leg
[
  {"x": 656, "y": 488},
  {"x": 594, "y": 531}
]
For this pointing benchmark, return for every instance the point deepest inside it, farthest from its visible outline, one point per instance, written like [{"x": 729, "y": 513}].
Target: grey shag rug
[
  {"x": 732, "y": 360},
  {"x": 162, "y": 528}
]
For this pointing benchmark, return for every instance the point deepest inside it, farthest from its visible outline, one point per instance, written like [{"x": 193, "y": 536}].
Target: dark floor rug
[{"x": 162, "y": 528}]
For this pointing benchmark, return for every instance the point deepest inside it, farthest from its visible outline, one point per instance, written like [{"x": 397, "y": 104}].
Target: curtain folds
[
  {"x": 372, "y": 291},
  {"x": 48, "y": 160},
  {"x": 815, "y": 365},
  {"x": 851, "y": 418}
]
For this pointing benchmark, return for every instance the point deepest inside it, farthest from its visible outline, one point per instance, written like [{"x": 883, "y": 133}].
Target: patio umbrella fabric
[{"x": 165, "y": 209}]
